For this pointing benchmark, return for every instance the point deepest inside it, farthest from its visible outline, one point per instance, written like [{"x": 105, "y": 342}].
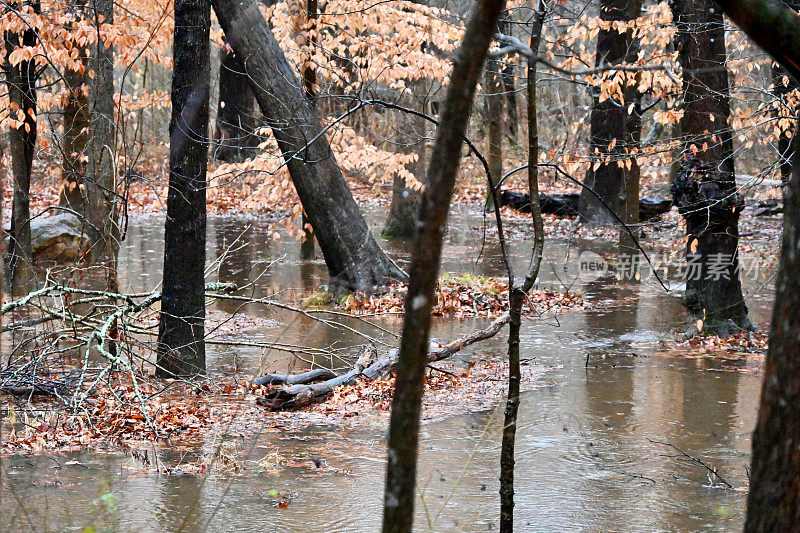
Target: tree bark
[
  {"x": 100, "y": 179},
  {"x": 609, "y": 124},
  {"x": 77, "y": 125},
  {"x": 236, "y": 112},
  {"x": 76, "y": 139},
  {"x": 705, "y": 189},
  {"x": 21, "y": 82},
  {"x": 773, "y": 503},
  {"x": 181, "y": 348},
  {"x": 353, "y": 257},
  {"x": 401, "y": 468}
]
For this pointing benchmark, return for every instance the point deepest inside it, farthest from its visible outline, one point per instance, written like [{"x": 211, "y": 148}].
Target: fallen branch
[{"x": 301, "y": 393}]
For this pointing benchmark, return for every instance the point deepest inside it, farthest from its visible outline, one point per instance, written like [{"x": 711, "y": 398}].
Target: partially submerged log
[
  {"x": 301, "y": 392},
  {"x": 567, "y": 204}
]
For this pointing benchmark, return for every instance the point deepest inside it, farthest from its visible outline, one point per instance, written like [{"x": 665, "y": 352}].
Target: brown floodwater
[{"x": 590, "y": 443}]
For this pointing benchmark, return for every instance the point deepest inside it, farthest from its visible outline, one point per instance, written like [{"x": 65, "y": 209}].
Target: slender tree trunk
[
  {"x": 494, "y": 137},
  {"x": 236, "y": 112},
  {"x": 353, "y": 257},
  {"x": 705, "y": 189},
  {"x": 608, "y": 124},
  {"x": 518, "y": 293},
  {"x": 21, "y": 82},
  {"x": 181, "y": 349},
  {"x": 401, "y": 468}
]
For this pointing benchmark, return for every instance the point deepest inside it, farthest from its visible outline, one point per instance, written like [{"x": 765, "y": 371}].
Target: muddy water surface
[{"x": 593, "y": 448}]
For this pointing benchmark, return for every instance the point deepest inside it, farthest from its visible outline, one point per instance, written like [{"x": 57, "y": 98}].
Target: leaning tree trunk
[
  {"x": 236, "y": 112},
  {"x": 353, "y": 257},
  {"x": 401, "y": 468},
  {"x": 21, "y": 82},
  {"x": 181, "y": 348},
  {"x": 608, "y": 148},
  {"x": 705, "y": 189}
]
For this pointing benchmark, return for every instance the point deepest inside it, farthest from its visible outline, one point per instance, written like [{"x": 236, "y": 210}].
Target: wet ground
[{"x": 593, "y": 448}]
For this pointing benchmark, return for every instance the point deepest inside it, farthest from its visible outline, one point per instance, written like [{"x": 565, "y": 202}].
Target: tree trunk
[
  {"x": 705, "y": 189},
  {"x": 404, "y": 211},
  {"x": 519, "y": 291},
  {"x": 236, "y": 112},
  {"x": 21, "y": 82},
  {"x": 181, "y": 350},
  {"x": 401, "y": 468},
  {"x": 100, "y": 179},
  {"x": 353, "y": 257},
  {"x": 773, "y": 503},
  {"x": 77, "y": 125},
  {"x": 609, "y": 125},
  {"x": 494, "y": 138}
]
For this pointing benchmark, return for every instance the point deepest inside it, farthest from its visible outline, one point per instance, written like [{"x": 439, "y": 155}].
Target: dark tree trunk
[
  {"x": 181, "y": 350},
  {"x": 404, "y": 211},
  {"x": 354, "y": 259},
  {"x": 101, "y": 172},
  {"x": 77, "y": 125},
  {"x": 705, "y": 189},
  {"x": 401, "y": 468},
  {"x": 609, "y": 125},
  {"x": 519, "y": 291},
  {"x": 21, "y": 82},
  {"x": 494, "y": 120},
  {"x": 773, "y": 503},
  {"x": 236, "y": 113}
]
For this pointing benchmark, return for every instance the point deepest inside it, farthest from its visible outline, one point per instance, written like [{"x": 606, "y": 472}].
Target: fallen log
[
  {"x": 311, "y": 376},
  {"x": 567, "y": 204},
  {"x": 367, "y": 367}
]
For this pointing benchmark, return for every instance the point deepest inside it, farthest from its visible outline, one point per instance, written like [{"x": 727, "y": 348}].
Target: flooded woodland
[{"x": 400, "y": 266}]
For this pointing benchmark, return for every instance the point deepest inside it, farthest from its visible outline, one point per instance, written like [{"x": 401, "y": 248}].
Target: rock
[{"x": 61, "y": 238}]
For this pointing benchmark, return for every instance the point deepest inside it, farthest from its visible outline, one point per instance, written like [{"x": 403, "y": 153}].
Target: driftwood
[
  {"x": 765, "y": 208},
  {"x": 20, "y": 383},
  {"x": 567, "y": 204},
  {"x": 302, "y": 392}
]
